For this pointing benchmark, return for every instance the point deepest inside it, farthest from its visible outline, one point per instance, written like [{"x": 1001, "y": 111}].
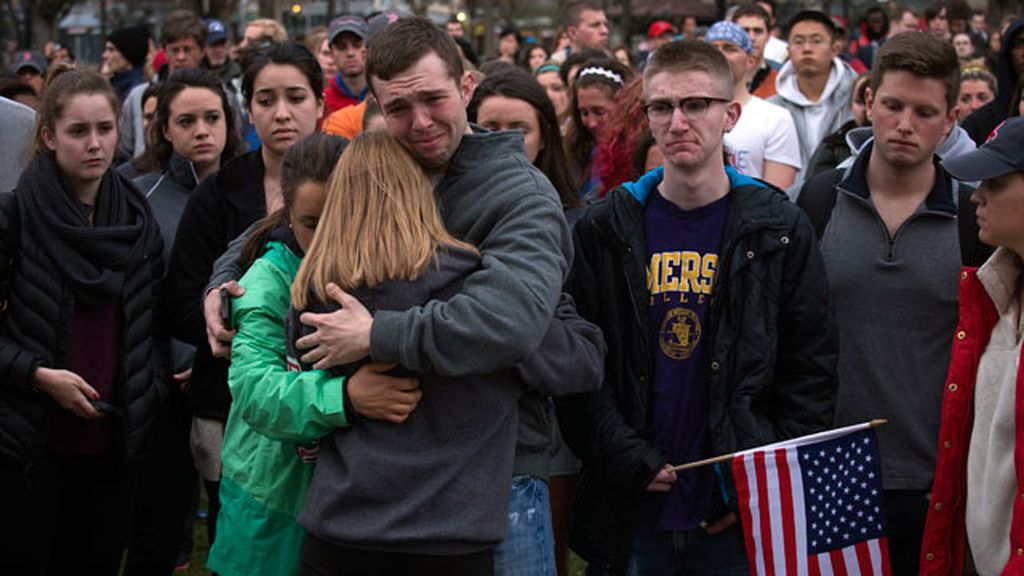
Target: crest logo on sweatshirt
[{"x": 679, "y": 334}]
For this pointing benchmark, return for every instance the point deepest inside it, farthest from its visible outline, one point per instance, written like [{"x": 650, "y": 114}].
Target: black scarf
[{"x": 93, "y": 257}]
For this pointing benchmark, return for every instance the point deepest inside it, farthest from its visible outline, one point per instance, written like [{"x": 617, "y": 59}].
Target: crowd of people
[{"x": 400, "y": 310}]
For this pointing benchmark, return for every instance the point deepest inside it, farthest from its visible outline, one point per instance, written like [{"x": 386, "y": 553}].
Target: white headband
[{"x": 600, "y": 72}]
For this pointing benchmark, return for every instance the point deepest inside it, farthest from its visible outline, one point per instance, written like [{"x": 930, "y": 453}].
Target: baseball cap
[
  {"x": 380, "y": 21},
  {"x": 351, "y": 24},
  {"x": 731, "y": 32},
  {"x": 1001, "y": 154},
  {"x": 215, "y": 31},
  {"x": 28, "y": 59},
  {"x": 658, "y": 28}
]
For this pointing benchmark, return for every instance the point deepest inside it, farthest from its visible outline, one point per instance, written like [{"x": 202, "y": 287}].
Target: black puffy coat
[
  {"x": 220, "y": 209},
  {"x": 771, "y": 359},
  {"x": 35, "y": 330}
]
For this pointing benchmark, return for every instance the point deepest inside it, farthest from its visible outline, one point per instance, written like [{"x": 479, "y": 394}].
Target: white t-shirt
[
  {"x": 776, "y": 49},
  {"x": 765, "y": 132}
]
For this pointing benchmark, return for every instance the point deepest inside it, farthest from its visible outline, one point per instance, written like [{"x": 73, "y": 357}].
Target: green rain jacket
[{"x": 270, "y": 437}]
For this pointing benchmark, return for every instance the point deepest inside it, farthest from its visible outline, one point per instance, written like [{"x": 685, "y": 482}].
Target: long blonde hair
[{"x": 379, "y": 223}]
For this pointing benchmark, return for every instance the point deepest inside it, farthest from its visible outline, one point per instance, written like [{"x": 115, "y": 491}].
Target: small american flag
[{"x": 813, "y": 505}]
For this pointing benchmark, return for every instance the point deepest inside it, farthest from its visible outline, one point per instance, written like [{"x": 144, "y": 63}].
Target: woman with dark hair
[
  {"x": 80, "y": 366},
  {"x": 623, "y": 55},
  {"x": 592, "y": 101},
  {"x": 193, "y": 132},
  {"x": 549, "y": 76},
  {"x": 532, "y": 56},
  {"x": 511, "y": 99},
  {"x": 509, "y": 43},
  {"x": 282, "y": 90},
  {"x": 130, "y": 168}
]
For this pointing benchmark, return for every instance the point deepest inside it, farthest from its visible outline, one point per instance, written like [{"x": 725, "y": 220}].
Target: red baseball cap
[{"x": 659, "y": 28}]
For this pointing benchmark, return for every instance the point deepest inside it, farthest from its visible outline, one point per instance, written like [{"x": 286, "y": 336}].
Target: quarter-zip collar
[{"x": 941, "y": 198}]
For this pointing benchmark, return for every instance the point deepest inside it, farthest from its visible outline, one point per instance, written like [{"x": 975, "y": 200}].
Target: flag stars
[{"x": 838, "y": 493}]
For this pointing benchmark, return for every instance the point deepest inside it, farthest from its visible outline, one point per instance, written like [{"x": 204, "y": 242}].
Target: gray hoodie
[
  {"x": 492, "y": 197},
  {"x": 17, "y": 124},
  {"x": 815, "y": 120},
  {"x": 958, "y": 142}
]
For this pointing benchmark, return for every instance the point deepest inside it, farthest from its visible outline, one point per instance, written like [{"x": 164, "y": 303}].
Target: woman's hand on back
[
  {"x": 377, "y": 396},
  {"x": 69, "y": 390}
]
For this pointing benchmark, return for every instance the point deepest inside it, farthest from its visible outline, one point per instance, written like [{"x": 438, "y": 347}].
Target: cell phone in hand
[
  {"x": 225, "y": 309},
  {"x": 107, "y": 408}
]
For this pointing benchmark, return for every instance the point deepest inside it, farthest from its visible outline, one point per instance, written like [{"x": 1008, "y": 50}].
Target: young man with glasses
[
  {"x": 710, "y": 291},
  {"x": 814, "y": 85}
]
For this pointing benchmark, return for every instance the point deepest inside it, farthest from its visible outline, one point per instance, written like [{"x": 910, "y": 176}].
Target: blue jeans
[
  {"x": 691, "y": 552},
  {"x": 529, "y": 547}
]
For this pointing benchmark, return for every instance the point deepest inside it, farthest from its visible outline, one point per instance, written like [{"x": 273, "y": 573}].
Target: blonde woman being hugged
[{"x": 429, "y": 495}]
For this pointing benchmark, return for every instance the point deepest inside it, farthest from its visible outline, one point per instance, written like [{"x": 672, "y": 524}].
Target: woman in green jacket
[{"x": 277, "y": 414}]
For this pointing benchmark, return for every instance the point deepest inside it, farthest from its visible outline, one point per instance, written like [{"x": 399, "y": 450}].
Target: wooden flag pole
[
  {"x": 704, "y": 462},
  {"x": 725, "y": 457}
]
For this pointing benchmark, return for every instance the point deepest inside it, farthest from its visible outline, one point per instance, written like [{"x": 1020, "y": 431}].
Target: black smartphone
[
  {"x": 107, "y": 408},
  {"x": 225, "y": 308}
]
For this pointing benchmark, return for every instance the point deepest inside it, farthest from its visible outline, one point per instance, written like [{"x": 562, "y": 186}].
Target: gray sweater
[
  {"x": 896, "y": 307},
  {"x": 493, "y": 198},
  {"x": 439, "y": 482}
]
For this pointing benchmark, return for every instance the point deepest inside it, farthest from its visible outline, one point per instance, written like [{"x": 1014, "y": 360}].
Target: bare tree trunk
[
  {"x": 488, "y": 29},
  {"x": 267, "y": 9},
  {"x": 625, "y": 21},
  {"x": 46, "y": 15}
]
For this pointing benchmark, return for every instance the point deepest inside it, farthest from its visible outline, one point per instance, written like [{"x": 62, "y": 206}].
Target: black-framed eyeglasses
[{"x": 692, "y": 108}]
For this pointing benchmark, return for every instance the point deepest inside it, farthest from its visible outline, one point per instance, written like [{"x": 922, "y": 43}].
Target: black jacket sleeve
[
  {"x": 16, "y": 363},
  {"x": 592, "y": 423},
  {"x": 570, "y": 359},
  {"x": 197, "y": 244},
  {"x": 808, "y": 350}
]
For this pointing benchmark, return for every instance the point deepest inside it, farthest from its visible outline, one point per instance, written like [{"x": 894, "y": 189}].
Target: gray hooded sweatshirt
[{"x": 815, "y": 120}]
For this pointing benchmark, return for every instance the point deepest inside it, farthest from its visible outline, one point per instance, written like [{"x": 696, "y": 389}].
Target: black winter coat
[
  {"x": 982, "y": 121},
  {"x": 35, "y": 330},
  {"x": 771, "y": 360},
  {"x": 220, "y": 209}
]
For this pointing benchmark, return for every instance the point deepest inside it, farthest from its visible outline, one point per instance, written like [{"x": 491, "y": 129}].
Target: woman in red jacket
[{"x": 977, "y": 502}]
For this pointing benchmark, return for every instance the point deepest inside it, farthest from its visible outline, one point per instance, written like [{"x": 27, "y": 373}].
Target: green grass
[{"x": 200, "y": 543}]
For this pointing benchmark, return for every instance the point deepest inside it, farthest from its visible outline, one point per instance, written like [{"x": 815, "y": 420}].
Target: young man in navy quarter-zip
[{"x": 889, "y": 232}]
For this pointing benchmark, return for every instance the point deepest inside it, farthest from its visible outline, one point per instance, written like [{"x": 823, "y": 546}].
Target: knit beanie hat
[{"x": 132, "y": 42}]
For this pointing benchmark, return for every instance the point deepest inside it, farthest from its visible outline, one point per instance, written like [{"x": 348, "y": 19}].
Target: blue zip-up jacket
[{"x": 772, "y": 350}]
